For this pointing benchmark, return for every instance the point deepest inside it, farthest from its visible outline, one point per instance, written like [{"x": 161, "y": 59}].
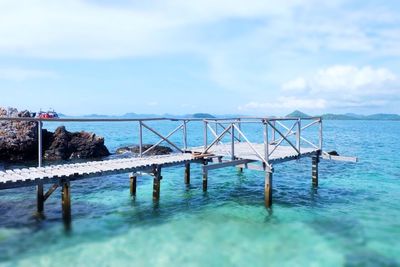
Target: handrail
[
  {"x": 228, "y": 125},
  {"x": 217, "y": 139},
  {"x": 303, "y": 128},
  {"x": 270, "y": 146},
  {"x": 283, "y": 138},
  {"x": 162, "y": 137},
  {"x": 223, "y": 127},
  {"x": 162, "y": 140},
  {"x": 222, "y": 120},
  {"x": 251, "y": 146},
  {"x": 271, "y": 118}
]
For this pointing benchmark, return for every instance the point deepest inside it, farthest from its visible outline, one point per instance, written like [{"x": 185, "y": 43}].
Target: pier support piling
[
  {"x": 314, "y": 172},
  {"x": 268, "y": 189},
  {"x": 187, "y": 173},
  {"x": 205, "y": 180},
  {"x": 66, "y": 201},
  {"x": 205, "y": 176},
  {"x": 40, "y": 199},
  {"x": 156, "y": 183},
  {"x": 132, "y": 180}
]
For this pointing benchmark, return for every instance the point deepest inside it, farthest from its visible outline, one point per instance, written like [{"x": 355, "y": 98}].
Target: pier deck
[
  {"x": 55, "y": 173},
  {"x": 244, "y": 151},
  {"x": 282, "y": 139}
]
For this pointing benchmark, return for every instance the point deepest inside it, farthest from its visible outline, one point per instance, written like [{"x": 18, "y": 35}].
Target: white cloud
[
  {"x": 86, "y": 29},
  {"x": 339, "y": 86},
  {"x": 22, "y": 74},
  {"x": 247, "y": 45},
  {"x": 345, "y": 80},
  {"x": 83, "y": 29}
]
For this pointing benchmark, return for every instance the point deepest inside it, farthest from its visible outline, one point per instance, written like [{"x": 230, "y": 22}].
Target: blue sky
[{"x": 256, "y": 57}]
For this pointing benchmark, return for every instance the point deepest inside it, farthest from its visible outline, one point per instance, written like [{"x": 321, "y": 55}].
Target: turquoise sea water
[{"x": 352, "y": 219}]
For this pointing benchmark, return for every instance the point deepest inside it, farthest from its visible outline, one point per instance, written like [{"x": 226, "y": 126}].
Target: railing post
[
  {"x": 140, "y": 139},
  {"x": 266, "y": 146},
  {"x": 273, "y": 132},
  {"x": 40, "y": 144},
  {"x": 184, "y": 135},
  {"x": 39, "y": 186},
  {"x": 320, "y": 134},
  {"x": 205, "y": 134},
  {"x": 240, "y": 128},
  {"x": 232, "y": 141},
  {"x": 298, "y": 134}
]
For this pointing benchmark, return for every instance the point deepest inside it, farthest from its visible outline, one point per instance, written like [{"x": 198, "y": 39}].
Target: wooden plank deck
[
  {"x": 245, "y": 155},
  {"x": 244, "y": 151},
  {"x": 53, "y": 174}
]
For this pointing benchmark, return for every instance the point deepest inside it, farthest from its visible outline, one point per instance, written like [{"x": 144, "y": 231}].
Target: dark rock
[
  {"x": 18, "y": 141},
  {"x": 158, "y": 150},
  {"x": 333, "y": 153},
  {"x": 67, "y": 145}
]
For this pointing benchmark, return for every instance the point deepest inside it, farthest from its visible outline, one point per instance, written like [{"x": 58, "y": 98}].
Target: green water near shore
[{"x": 352, "y": 219}]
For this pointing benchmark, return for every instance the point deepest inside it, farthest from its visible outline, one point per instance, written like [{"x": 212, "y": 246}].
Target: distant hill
[
  {"x": 202, "y": 115},
  {"x": 330, "y": 116},
  {"x": 349, "y": 116},
  {"x": 353, "y": 115},
  {"x": 298, "y": 113},
  {"x": 389, "y": 117},
  {"x": 132, "y": 115},
  {"x": 136, "y": 116},
  {"x": 95, "y": 116}
]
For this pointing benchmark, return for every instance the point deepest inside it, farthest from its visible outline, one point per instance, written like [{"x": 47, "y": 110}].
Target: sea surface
[{"x": 351, "y": 219}]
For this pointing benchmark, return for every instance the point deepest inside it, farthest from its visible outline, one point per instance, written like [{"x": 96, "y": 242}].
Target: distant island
[
  {"x": 135, "y": 116},
  {"x": 349, "y": 116},
  {"x": 296, "y": 113},
  {"x": 202, "y": 116}
]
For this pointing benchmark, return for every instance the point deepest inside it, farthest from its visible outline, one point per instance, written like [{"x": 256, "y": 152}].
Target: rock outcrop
[
  {"x": 158, "y": 150},
  {"x": 79, "y": 145},
  {"x": 333, "y": 153},
  {"x": 19, "y": 142}
]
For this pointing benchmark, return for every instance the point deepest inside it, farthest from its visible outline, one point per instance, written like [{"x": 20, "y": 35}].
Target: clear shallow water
[{"x": 352, "y": 219}]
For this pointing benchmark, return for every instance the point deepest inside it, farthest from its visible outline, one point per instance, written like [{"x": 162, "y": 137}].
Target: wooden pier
[{"x": 226, "y": 144}]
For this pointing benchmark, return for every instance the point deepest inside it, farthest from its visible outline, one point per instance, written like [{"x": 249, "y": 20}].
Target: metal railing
[
  {"x": 274, "y": 127},
  {"x": 143, "y": 123},
  {"x": 277, "y": 128}
]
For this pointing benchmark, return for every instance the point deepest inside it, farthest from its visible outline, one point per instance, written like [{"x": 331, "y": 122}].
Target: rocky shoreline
[{"x": 19, "y": 141}]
